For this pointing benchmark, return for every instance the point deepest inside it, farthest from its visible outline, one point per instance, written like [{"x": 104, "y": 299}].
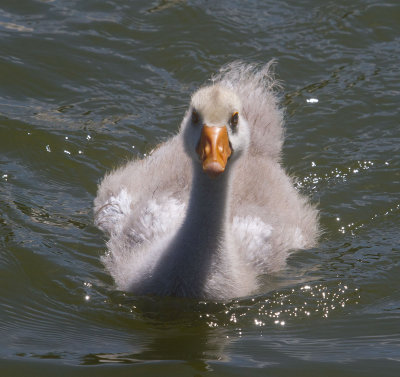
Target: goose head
[{"x": 215, "y": 131}]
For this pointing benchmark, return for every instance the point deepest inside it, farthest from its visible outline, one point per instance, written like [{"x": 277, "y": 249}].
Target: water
[{"x": 84, "y": 86}]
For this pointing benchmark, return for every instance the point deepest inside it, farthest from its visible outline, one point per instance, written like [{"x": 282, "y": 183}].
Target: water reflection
[
  {"x": 200, "y": 333},
  {"x": 173, "y": 329}
]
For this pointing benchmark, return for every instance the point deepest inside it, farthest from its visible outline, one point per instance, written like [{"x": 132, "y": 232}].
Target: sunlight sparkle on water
[
  {"x": 315, "y": 181},
  {"x": 282, "y": 307}
]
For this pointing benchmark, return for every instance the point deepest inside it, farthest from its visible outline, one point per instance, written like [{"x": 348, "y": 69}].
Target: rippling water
[{"x": 86, "y": 85}]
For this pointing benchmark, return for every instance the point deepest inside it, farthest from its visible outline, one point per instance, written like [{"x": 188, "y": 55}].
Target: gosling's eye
[
  {"x": 235, "y": 119},
  {"x": 195, "y": 117}
]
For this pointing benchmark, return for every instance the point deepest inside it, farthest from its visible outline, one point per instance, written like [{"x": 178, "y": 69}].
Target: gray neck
[
  {"x": 200, "y": 242},
  {"x": 205, "y": 223}
]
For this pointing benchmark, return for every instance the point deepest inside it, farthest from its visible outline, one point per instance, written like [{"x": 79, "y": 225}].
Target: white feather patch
[
  {"x": 156, "y": 219},
  {"x": 111, "y": 215},
  {"x": 133, "y": 250},
  {"x": 252, "y": 236}
]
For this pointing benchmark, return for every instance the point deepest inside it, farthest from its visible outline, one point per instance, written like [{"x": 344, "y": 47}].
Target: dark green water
[{"x": 86, "y": 85}]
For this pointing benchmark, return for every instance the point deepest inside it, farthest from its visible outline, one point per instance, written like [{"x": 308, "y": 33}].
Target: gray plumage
[{"x": 159, "y": 244}]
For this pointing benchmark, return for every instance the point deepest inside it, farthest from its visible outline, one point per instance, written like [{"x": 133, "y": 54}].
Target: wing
[{"x": 129, "y": 191}]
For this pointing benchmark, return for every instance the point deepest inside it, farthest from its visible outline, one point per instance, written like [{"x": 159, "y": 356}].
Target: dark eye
[
  {"x": 235, "y": 119},
  {"x": 195, "y": 117}
]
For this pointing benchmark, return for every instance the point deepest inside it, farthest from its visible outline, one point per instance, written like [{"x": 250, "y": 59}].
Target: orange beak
[{"x": 214, "y": 150}]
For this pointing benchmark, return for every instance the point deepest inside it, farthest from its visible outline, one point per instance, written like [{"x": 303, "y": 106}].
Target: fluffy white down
[
  {"x": 142, "y": 206},
  {"x": 153, "y": 227}
]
